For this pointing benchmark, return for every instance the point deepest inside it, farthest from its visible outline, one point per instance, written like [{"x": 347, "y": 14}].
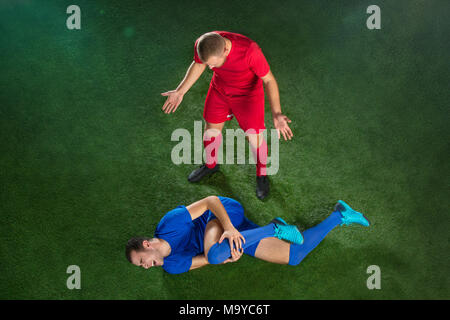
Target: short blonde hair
[{"x": 210, "y": 44}]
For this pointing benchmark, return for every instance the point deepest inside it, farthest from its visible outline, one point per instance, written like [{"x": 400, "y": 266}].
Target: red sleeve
[
  {"x": 196, "y": 58},
  {"x": 256, "y": 60}
]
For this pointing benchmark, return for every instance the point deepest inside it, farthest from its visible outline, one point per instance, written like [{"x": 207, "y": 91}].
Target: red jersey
[{"x": 243, "y": 67}]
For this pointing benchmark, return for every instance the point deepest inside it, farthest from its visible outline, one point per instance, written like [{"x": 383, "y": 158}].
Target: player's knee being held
[{"x": 218, "y": 253}]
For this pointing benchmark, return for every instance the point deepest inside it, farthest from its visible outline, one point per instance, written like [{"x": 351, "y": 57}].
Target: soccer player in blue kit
[{"x": 191, "y": 237}]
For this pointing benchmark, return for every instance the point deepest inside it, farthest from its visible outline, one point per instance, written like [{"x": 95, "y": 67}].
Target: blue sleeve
[
  {"x": 179, "y": 263},
  {"x": 174, "y": 226},
  {"x": 175, "y": 217}
]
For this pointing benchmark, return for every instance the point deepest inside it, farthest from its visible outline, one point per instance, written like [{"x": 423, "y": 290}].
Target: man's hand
[
  {"x": 235, "y": 256},
  {"x": 234, "y": 237},
  {"x": 280, "y": 122},
  {"x": 174, "y": 99}
]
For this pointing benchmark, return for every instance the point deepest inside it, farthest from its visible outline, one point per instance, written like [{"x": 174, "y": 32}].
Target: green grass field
[{"x": 85, "y": 148}]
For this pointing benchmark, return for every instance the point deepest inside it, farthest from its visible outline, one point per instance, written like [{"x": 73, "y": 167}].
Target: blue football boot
[
  {"x": 287, "y": 232},
  {"x": 350, "y": 216}
]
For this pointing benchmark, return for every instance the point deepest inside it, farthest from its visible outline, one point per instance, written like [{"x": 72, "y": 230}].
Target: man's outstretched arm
[
  {"x": 174, "y": 97},
  {"x": 214, "y": 204},
  {"x": 280, "y": 121}
]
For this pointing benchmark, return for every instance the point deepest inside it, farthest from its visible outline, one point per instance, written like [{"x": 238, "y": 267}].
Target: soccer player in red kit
[{"x": 241, "y": 73}]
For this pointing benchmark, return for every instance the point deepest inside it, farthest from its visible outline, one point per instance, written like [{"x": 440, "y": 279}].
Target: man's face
[
  {"x": 216, "y": 62},
  {"x": 147, "y": 257}
]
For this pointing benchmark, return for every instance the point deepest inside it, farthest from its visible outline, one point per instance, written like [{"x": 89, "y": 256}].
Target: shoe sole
[
  {"x": 261, "y": 197},
  {"x": 278, "y": 220},
  {"x": 266, "y": 194}
]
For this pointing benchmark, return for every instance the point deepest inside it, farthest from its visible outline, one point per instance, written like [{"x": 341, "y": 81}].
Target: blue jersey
[{"x": 185, "y": 236}]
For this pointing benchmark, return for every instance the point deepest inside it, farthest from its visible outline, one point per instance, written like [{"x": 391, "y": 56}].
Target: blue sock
[
  {"x": 220, "y": 252},
  {"x": 312, "y": 237}
]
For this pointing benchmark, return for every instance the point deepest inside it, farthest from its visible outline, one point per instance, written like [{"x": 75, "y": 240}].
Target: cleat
[
  {"x": 278, "y": 220},
  {"x": 262, "y": 187},
  {"x": 350, "y": 216},
  {"x": 199, "y": 173},
  {"x": 284, "y": 231}
]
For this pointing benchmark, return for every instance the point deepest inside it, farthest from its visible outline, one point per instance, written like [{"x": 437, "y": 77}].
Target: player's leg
[
  {"x": 212, "y": 139},
  {"x": 277, "y": 251},
  {"x": 213, "y": 232},
  {"x": 258, "y": 146},
  {"x": 249, "y": 112},
  {"x": 252, "y": 233},
  {"x": 343, "y": 214},
  {"x": 273, "y": 250},
  {"x": 313, "y": 237},
  {"x": 219, "y": 252},
  {"x": 214, "y": 229},
  {"x": 215, "y": 113}
]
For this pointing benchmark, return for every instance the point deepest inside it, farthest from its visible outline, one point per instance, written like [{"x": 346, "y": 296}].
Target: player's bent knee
[{"x": 218, "y": 253}]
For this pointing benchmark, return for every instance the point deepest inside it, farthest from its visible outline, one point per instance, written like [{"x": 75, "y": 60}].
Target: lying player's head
[
  {"x": 143, "y": 252},
  {"x": 212, "y": 50}
]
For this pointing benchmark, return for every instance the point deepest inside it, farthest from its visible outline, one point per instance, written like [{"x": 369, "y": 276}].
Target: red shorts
[{"x": 248, "y": 109}]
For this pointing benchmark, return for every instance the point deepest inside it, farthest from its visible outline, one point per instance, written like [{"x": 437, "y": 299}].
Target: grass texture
[{"x": 85, "y": 148}]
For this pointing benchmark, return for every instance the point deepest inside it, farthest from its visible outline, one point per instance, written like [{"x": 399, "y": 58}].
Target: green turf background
[{"x": 85, "y": 149}]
